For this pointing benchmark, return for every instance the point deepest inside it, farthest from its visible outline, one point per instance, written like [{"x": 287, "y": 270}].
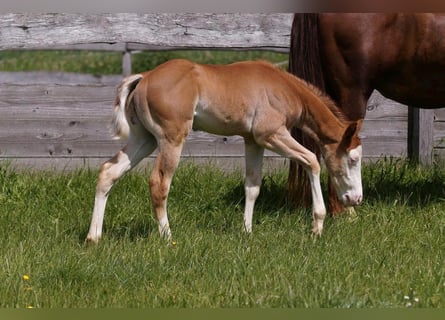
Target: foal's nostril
[{"x": 352, "y": 200}]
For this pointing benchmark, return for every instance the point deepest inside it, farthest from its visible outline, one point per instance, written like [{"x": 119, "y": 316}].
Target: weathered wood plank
[
  {"x": 420, "y": 135},
  {"x": 186, "y": 30},
  {"x": 439, "y": 114},
  {"x": 50, "y": 77},
  {"x": 439, "y": 134}
]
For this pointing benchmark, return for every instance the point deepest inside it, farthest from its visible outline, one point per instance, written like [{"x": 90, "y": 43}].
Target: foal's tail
[
  {"x": 304, "y": 62},
  {"x": 119, "y": 122}
]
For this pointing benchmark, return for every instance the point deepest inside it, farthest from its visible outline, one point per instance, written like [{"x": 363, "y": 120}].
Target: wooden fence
[{"x": 61, "y": 120}]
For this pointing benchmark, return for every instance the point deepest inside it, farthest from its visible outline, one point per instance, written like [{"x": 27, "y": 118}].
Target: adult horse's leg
[
  {"x": 137, "y": 148},
  {"x": 160, "y": 181},
  {"x": 252, "y": 184}
]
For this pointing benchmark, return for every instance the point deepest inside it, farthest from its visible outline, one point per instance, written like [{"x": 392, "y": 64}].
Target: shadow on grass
[
  {"x": 272, "y": 201},
  {"x": 389, "y": 180}
]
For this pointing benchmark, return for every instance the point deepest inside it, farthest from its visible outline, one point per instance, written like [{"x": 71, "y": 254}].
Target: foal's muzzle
[{"x": 352, "y": 199}]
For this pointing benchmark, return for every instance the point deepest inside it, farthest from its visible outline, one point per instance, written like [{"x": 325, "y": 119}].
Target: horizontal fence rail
[
  {"x": 60, "y": 120},
  {"x": 34, "y": 31}
]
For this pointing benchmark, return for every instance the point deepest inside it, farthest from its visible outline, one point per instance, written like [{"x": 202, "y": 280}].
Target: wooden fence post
[
  {"x": 421, "y": 135},
  {"x": 126, "y": 62}
]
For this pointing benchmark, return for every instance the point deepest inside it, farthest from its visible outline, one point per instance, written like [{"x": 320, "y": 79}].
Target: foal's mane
[{"x": 327, "y": 100}]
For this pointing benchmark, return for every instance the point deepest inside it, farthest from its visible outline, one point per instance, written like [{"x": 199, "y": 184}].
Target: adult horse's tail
[{"x": 304, "y": 62}]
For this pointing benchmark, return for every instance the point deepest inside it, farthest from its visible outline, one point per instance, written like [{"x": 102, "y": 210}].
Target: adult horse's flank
[
  {"x": 255, "y": 100},
  {"x": 349, "y": 55}
]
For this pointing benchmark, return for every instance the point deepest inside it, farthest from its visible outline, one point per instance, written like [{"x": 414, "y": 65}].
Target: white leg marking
[
  {"x": 283, "y": 143},
  {"x": 164, "y": 228},
  {"x": 252, "y": 184},
  {"x": 319, "y": 209},
  {"x": 110, "y": 172}
]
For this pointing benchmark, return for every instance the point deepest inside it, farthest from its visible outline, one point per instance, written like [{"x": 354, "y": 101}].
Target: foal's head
[{"x": 343, "y": 161}]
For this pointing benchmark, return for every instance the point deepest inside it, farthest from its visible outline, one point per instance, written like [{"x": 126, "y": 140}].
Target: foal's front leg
[
  {"x": 282, "y": 143},
  {"x": 318, "y": 208}
]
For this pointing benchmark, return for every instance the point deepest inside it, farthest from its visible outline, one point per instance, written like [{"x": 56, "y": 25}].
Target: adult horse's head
[{"x": 343, "y": 161}]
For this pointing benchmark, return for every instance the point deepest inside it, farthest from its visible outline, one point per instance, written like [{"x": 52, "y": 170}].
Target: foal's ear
[{"x": 350, "y": 137}]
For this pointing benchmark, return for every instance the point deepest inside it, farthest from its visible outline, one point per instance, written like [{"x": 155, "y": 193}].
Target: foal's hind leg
[
  {"x": 160, "y": 181},
  {"x": 252, "y": 184},
  {"x": 136, "y": 149}
]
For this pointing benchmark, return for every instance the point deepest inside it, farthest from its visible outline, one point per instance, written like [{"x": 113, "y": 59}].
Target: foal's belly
[{"x": 220, "y": 123}]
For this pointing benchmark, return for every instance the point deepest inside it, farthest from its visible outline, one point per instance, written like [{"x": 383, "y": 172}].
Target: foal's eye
[{"x": 353, "y": 160}]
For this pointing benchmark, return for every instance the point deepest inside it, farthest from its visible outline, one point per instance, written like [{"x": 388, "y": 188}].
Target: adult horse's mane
[{"x": 307, "y": 67}]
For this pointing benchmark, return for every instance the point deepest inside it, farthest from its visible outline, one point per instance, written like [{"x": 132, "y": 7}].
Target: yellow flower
[
  {"x": 25, "y": 277},
  {"x": 29, "y": 307},
  {"x": 174, "y": 243}
]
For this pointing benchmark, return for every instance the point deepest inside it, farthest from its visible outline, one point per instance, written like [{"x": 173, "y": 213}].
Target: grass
[
  {"x": 390, "y": 255},
  {"x": 111, "y": 62}
]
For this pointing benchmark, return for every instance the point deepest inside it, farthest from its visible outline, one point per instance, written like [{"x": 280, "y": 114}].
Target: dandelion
[
  {"x": 25, "y": 277},
  {"x": 174, "y": 243},
  {"x": 29, "y": 307}
]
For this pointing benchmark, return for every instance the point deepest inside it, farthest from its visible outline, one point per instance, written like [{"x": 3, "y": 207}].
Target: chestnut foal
[{"x": 256, "y": 100}]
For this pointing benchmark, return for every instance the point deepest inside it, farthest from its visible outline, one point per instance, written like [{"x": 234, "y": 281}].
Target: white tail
[{"x": 119, "y": 122}]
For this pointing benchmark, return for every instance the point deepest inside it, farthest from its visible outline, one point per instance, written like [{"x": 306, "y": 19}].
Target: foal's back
[{"x": 224, "y": 99}]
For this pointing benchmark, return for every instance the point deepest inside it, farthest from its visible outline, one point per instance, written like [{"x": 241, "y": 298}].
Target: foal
[{"x": 256, "y": 100}]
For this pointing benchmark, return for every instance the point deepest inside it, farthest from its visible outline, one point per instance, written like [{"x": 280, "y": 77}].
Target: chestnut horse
[
  {"x": 256, "y": 100},
  {"x": 349, "y": 55}
]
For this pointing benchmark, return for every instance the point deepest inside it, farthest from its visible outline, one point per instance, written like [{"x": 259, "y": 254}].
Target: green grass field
[
  {"x": 391, "y": 254},
  {"x": 110, "y": 62}
]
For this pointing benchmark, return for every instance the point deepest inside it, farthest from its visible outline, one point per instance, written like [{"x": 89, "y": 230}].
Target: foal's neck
[{"x": 323, "y": 120}]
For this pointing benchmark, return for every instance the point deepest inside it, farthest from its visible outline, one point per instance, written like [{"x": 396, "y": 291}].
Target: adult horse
[
  {"x": 348, "y": 55},
  {"x": 256, "y": 100}
]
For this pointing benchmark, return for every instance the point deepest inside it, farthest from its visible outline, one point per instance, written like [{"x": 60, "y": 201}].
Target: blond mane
[{"x": 324, "y": 97}]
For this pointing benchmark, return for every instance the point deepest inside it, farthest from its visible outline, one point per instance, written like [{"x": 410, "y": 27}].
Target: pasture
[{"x": 391, "y": 254}]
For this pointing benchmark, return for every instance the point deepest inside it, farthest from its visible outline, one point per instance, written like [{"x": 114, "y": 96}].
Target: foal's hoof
[
  {"x": 316, "y": 231},
  {"x": 91, "y": 241}
]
